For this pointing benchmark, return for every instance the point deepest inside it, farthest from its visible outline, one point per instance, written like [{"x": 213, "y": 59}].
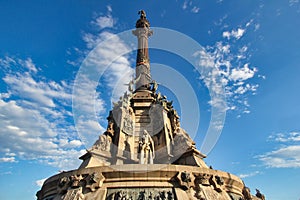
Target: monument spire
[{"x": 142, "y": 32}]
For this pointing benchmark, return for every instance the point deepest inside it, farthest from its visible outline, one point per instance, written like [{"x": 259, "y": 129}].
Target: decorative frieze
[
  {"x": 84, "y": 181},
  {"x": 140, "y": 194}
]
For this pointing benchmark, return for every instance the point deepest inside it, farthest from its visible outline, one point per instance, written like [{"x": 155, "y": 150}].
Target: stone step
[
  {"x": 142, "y": 127},
  {"x": 139, "y": 128},
  {"x": 141, "y": 112},
  {"x": 142, "y": 119}
]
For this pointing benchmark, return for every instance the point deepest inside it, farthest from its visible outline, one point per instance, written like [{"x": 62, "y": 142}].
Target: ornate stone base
[{"x": 136, "y": 181}]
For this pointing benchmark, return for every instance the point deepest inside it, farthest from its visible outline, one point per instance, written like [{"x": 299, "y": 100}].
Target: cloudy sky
[{"x": 63, "y": 63}]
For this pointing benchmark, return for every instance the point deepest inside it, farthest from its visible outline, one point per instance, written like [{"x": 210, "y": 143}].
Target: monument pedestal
[{"x": 136, "y": 181}]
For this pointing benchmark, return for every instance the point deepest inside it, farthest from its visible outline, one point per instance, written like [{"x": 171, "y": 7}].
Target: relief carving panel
[{"x": 140, "y": 194}]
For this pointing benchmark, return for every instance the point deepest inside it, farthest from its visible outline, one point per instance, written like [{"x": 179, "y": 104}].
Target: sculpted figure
[
  {"x": 103, "y": 143},
  {"x": 151, "y": 196},
  {"x": 63, "y": 181},
  {"x": 154, "y": 86},
  {"x": 75, "y": 180},
  {"x": 174, "y": 120},
  {"x": 142, "y": 13},
  {"x": 110, "y": 128},
  {"x": 130, "y": 86},
  {"x": 259, "y": 195},
  {"x": 163, "y": 195},
  {"x": 142, "y": 195},
  {"x": 146, "y": 149},
  {"x": 246, "y": 193},
  {"x": 128, "y": 121},
  {"x": 185, "y": 177},
  {"x": 170, "y": 195},
  {"x": 118, "y": 195}
]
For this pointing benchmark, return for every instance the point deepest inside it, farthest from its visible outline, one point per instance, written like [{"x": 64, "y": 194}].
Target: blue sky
[{"x": 251, "y": 47}]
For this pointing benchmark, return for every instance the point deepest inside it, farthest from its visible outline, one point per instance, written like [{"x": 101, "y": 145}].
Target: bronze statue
[
  {"x": 142, "y": 13},
  {"x": 259, "y": 194}
]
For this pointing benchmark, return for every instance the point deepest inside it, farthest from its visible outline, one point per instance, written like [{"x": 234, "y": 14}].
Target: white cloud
[
  {"x": 35, "y": 113},
  {"x": 35, "y": 116},
  {"x": 293, "y": 2},
  {"x": 249, "y": 23},
  {"x": 105, "y": 21},
  {"x": 112, "y": 49},
  {"x": 243, "y": 49},
  {"x": 189, "y": 5},
  {"x": 7, "y": 61},
  {"x": 293, "y": 136},
  {"x": 227, "y": 74},
  {"x": 66, "y": 143},
  {"x": 284, "y": 157},
  {"x": 256, "y": 27},
  {"x": 221, "y": 21},
  {"x": 243, "y": 73},
  {"x": 36, "y": 91},
  {"x": 62, "y": 159},
  {"x": 40, "y": 182},
  {"x": 109, "y": 8},
  {"x": 25, "y": 83},
  {"x": 226, "y": 34},
  {"x": 221, "y": 60},
  {"x": 206, "y": 60},
  {"x": 75, "y": 143},
  {"x": 287, "y": 155},
  {"x": 8, "y": 159},
  {"x": 15, "y": 120},
  {"x": 249, "y": 174},
  {"x": 185, "y": 5},
  {"x": 88, "y": 103},
  {"x": 10, "y": 154},
  {"x": 29, "y": 64},
  {"x": 237, "y": 34},
  {"x": 195, "y": 9},
  {"x": 88, "y": 100},
  {"x": 107, "y": 63},
  {"x": 6, "y": 173}
]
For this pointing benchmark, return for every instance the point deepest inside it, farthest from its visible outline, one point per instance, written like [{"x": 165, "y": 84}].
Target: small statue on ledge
[
  {"x": 142, "y": 13},
  {"x": 259, "y": 194},
  {"x": 146, "y": 149}
]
